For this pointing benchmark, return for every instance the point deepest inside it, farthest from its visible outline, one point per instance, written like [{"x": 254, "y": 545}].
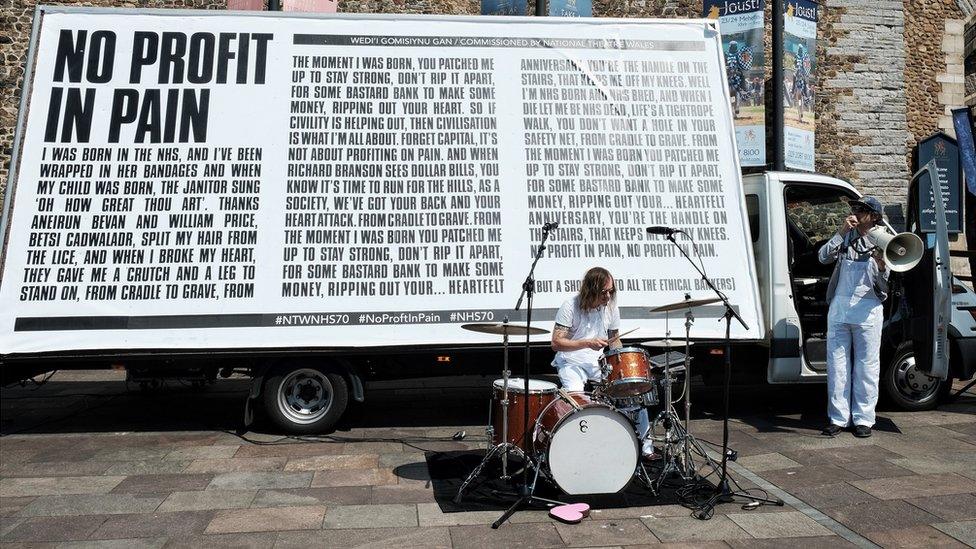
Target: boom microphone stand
[
  {"x": 723, "y": 493},
  {"x": 527, "y": 490}
]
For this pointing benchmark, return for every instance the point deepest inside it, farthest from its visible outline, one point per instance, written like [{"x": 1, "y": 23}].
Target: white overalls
[{"x": 854, "y": 323}]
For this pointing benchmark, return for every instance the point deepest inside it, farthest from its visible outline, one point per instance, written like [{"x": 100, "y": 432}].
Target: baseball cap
[{"x": 870, "y": 203}]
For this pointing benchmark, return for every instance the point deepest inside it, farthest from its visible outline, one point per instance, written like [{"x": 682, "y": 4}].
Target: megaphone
[{"x": 901, "y": 252}]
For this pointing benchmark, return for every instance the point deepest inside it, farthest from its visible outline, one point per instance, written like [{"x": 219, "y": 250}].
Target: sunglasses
[
  {"x": 608, "y": 292},
  {"x": 861, "y": 210}
]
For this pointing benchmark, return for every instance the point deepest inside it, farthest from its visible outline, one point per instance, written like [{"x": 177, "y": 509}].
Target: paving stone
[
  {"x": 880, "y": 515},
  {"x": 951, "y": 507},
  {"x": 271, "y": 519},
  {"x": 405, "y": 458},
  {"x": 650, "y": 512},
  {"x": 506, "y": 536},
  {"x": 148, "y": 467},
  {"x": 263, "y": 540},
  {"x": 353, "y": 477},
  {"x": 767, "y": 462},
  {"x": 372, "y": 448},
  {"x": 329, "y": 463},
  {"x": 290, "y": 450},
  {"x": 371, "y": 516},
  {"x": 843, "y": 454},
  {"x": 54, "y": 529},
  {"x": 376, "y": 538},
  {"x": 911, "y": 538},
  {"x": 605, "y": 532},
  {"x": 813, "y": 475},
  {"x": 64, "y": 454},
  {"x": 875, "y": 469},
  {"x": 257, "y": 480},
  {"x": 821, "y": 542},
  {"x": 10, "y": 506},
  {"x": 131, "y": 454},
  {"x": 791, "y": 524},
  {"x": 172, "y": 525},
  {"x": 9, "y": 523},
  {"x": 137, "y": 543},
  {"x": 163, "y": 483},
  {"x": 203, "y": 452},
  {"x": 832, "y": 495},
  {"x": 402, "y": 493},
  {"x": 236, "y": 465},
  {"x": 46, "y": 486},
  {"x": 341, "y": 495},
  {"x": 430, "y": 514},
  {"x": 948, "y": 462},
  {"x": 916, "y": 486},
  {"x": 964, "y": 531},
  {"x": 54, "y": 468},
  {"x": 206, "y": 500},
  {"x": 720, "y": 527},
  {"x": 92, "y": 504}
]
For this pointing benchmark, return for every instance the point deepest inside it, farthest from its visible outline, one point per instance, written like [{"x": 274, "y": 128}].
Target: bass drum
[{"x": 589, "y": 447}]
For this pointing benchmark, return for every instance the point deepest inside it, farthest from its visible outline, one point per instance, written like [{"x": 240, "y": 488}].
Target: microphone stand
[
  {"x": 527, "y": 490},
  {"x": 723, "y": 493}
]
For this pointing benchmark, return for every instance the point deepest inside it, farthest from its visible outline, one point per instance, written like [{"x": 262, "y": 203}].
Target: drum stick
[{"x": 618, "y": 336}]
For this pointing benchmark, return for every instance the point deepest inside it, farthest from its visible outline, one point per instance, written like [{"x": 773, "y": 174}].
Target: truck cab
[{"x": 791, "y": 215}]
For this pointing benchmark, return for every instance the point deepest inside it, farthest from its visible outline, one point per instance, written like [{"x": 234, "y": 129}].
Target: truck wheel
[
  {"x": 906, "y": 386},
  {"x": 305, "y": 400}
]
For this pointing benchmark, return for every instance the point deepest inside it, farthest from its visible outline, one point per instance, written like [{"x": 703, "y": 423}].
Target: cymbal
[
  {"x": 687, "y": 304},
  {"x": 499, "y": 328},
  {"x": 662, "y": 343}
]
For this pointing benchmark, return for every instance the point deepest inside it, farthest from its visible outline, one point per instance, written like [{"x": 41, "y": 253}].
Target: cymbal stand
[{"x": 503, "y": 447}]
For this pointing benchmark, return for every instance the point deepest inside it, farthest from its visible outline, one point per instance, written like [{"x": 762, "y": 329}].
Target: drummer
[{"x": 585, "y": 324}]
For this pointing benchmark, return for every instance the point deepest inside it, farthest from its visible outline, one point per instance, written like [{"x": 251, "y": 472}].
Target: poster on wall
[
  {"x": 799, "y": 83},
  {"x": 393, "y": 184},
  {"x": 742, "y": 24},
  {"x": 503, "y": 7},
  {"x": 571, "y": 8}
]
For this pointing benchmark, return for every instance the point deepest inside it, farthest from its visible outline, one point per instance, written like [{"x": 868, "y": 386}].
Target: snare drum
[
  {"x": 627, "y": 372},
  {"x": 541, "y": 393},
  {"x": 645, "y": 400},
  {"x": 589, "y": 447}
]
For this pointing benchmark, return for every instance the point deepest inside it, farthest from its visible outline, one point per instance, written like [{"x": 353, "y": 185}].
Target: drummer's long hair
[{"x": 591, "y": 290}]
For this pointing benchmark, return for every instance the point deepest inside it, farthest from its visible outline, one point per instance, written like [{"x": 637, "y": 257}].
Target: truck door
[
  {"x": 928, "y": 290},
  {"x": 813, "y": 213}
]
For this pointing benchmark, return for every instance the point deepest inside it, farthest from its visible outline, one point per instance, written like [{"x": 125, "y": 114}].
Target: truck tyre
[
  {"x": 907, "y": 387},
  {"x": 305, "y": 400}
]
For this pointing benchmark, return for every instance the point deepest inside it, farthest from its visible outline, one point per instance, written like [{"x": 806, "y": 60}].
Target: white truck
[{"x": 317, "y": 202}]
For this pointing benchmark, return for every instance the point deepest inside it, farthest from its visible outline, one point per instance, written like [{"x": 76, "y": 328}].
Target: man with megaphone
[{"x": 858, "y": 286}]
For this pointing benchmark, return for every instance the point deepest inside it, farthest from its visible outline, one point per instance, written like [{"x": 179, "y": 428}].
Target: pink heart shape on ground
[{"x": 572, "y": 513}]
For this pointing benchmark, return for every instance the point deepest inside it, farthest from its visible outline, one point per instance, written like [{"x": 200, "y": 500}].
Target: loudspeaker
[{"x": 901, "y": 252}]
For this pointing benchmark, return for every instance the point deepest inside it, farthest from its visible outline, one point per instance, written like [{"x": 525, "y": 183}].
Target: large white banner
[{"x": 196, "y": 180}]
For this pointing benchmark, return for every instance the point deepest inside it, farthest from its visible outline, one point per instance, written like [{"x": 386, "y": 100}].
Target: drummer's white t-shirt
[{"x": 584, "y": 325}]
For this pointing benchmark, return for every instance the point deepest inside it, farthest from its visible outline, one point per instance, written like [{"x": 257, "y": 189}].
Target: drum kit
[{"x": 586, "y": 442}]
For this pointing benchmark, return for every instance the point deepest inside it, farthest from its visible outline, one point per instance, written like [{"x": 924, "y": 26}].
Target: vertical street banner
[
  {"x": 742, "y": 24},
  {"x": 310, "y": 6},
  {"x": 571, "y": 8},
  {"x": 799, "y": 83},
  {"x": 503, "y": 7},
  {"x": 211, "y": 180}
]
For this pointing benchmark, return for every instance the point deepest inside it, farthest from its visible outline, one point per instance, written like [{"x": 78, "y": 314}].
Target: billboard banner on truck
[{"x": 198, "y": 180}]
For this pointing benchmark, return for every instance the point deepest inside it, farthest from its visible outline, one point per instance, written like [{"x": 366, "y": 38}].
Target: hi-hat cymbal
[
  {"x": 687, "y": 304},
  {"x": 500, "y": 328},
  {"x": 662, "y": 343}
]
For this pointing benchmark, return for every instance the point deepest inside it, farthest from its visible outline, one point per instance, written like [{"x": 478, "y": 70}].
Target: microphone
[
  {"x": 550, "y": 226},
  {"x": 659, "y": 229}
]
